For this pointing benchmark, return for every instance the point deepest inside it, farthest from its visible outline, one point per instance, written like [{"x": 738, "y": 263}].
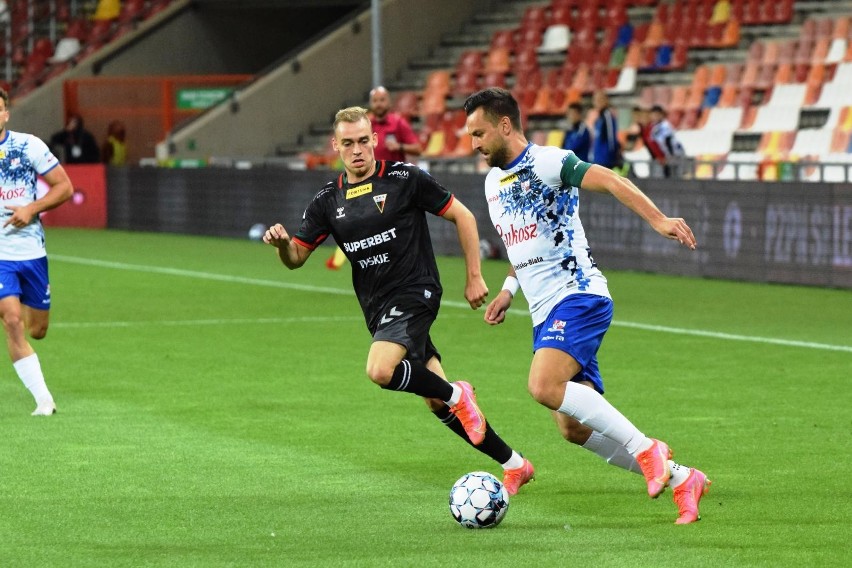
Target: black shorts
[{"x": 406, "y": 322}]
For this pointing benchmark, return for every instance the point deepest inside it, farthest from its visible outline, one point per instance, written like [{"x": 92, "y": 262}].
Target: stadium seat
[
  {"x": 525, "y": 60},
  {"x": 438, "y": 82},
  {"x": 498, "y": 61},
  {"x": 463, "y": 148},
  {"x": 470, "y": 60},
  {"x": 556, "y": 39},
  {"x": 812, "y": 141},
  {"x": 466, "y": 83},
  {"x": 66, "y": 49},
  {"x": 435, "y": 145},
  {"x": 406, "y": 103},
  {"x": 494, "y": 79},
  {"x": 107, "y": 10},
  {"x": 625, "y": 83},
  {"x": 503, "y": 39}
]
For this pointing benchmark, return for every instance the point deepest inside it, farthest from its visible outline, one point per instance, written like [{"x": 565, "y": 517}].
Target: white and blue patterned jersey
[
  {"x": 535, "y": 204},
  {"x": 23, "y": 157}
]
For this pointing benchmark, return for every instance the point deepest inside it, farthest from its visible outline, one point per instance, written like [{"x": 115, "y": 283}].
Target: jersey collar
[
  {"x": 520, "y": 157},
  {"x": 342, "y": 179}
]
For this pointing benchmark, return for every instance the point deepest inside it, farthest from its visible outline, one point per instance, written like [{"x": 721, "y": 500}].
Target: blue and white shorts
[
  {"x": 577, "y": 326},
  {"x": 26, "y": 279}
]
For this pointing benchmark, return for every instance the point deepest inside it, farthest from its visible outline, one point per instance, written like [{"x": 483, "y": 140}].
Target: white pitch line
[
  {"x": 197, "y": 322},
  {"x": 447, "y": 303}
]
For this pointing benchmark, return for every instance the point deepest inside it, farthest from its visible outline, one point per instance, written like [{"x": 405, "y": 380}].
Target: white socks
[
  {"x": 593, "y": 410},
  {"x": 613, "y": 452},
  {"x": 29, "y": 371},
  {"x": 514, "y": 462},
  {"x": 617, "y": 455},
  {"x": 679, "y": 473},
  {"x": 456, "y": 397}
]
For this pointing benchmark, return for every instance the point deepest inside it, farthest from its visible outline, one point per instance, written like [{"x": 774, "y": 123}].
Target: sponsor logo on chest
[{"x": 358, "y": 191}]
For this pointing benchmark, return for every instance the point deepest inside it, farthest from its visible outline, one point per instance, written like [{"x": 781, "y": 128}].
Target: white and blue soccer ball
[{"x": 478, "y": 500}]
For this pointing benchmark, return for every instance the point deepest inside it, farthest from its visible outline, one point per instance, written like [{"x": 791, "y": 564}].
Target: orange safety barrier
[{"x": 149, "y": 107}]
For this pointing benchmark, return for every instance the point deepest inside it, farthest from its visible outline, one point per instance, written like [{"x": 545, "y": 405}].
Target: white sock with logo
[
  {"x": 593, "y": 410},
  {"x": 679, "y": 473},
  {"x": 613, "y": 452},
  {"x": 617, "y": 455},
  {"x": 29, "y": 371}
]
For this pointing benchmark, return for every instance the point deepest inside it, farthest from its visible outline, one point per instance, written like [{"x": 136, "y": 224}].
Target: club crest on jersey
[
  {"x": 525, "y": 185},
  {"x": 340, "y": 213},
  {"x": 508, "y": 180},
  {"x": 558, "y": 326},
  {"x": 380, "y": 201},
  {"x": 354, "y": 192}
]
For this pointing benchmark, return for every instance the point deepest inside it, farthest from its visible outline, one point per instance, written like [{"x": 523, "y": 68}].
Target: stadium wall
[{"x": 783, "y": 232}]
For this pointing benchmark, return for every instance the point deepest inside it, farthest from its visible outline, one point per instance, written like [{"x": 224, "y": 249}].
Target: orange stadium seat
[{"x": 498, "y": 61}]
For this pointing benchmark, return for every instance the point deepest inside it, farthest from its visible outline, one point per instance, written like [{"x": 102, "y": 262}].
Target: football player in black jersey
[{"x": 376, "y": 212}]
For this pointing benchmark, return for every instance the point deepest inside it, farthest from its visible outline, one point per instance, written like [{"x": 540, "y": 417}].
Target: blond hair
[{"x": 352, "y": 114}]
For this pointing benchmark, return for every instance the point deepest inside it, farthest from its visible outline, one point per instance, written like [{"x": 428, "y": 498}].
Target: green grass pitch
[{"x": 214, "y": 411}]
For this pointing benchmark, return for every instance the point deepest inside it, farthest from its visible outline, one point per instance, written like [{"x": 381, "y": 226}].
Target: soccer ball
[{"x": 478, "y": 500}]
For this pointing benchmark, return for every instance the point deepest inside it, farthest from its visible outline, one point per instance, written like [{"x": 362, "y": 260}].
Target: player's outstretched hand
[
  {"x": 276, "y": 236},
  {"x": 676, "y": 229},
  {"x": 495, "y": 313},
  {"x": 476, "y": 292}
]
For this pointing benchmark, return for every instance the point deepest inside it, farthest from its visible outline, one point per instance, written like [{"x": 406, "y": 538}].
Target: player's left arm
[
  {"x": 475, "y": 290},
  {"x": 603, "y": 180},
  {"x": 61, "y": 189}
]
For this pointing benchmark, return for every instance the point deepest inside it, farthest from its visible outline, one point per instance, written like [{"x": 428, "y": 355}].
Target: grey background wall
[{"x": 779, "y": 232}]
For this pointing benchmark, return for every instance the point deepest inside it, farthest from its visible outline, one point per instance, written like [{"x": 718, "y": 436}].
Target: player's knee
[
  {"x": 379, "y": 374},
  {"x": 539, "y": 390},
  {"x": 12, "y": 321}
]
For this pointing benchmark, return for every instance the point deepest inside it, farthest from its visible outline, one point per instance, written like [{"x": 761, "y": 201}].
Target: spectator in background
[
  {"x": 75, "y": 144},
  {"x": 396, "y": 140},
  {"x": 606, "y": 150},
  {"x": 396, "y": 137},
  {"x": 114, "y": 149},
  {"x": 641, "y": 127},
  {"x": 577, "y": 137},
  {"x": 669, "y": 151}
]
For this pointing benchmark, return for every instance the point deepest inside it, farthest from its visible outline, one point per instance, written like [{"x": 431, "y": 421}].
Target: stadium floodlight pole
[{"x": 376, "y": 18}]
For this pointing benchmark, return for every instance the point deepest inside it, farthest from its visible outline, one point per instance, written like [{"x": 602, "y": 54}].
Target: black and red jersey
[{"x": 380, "y": 223}]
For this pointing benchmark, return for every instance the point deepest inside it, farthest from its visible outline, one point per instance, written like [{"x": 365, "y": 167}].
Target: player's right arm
[
  {"x": 291, "y": 253},
  {"x": 495, "y": 313}
]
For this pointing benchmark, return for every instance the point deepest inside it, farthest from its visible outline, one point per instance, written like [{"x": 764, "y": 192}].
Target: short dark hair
[
  {"x": 5, "y": 96},
  {"x": 576, "y": 106},
  {"x": 495, "y": 103},
  {"x": 659, "y": 109}
]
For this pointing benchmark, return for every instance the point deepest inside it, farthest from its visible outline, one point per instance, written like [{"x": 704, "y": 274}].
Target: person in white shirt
[
  {"x": 24, "y": 284},
  {"x": 533, "y": 195}
]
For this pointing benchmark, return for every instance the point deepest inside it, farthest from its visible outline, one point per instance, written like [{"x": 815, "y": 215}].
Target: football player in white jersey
[
  {"x": 24, "y": 285},
  {"x": 533, "y": 199}
]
